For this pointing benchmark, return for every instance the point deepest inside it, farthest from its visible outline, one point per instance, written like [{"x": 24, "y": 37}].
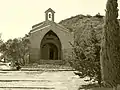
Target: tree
[
  {"x": 87, "y": 56},
  {"x": 16, "y": 50},
  {"x": 25, "y": 48},
  {"x": 95, "y": 45},
  {"x": 1, "y": 41},
  {"x": 110, "y": 52}
]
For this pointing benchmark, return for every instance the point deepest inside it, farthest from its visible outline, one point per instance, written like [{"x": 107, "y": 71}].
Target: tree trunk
[{"x": 110, "y": 50}]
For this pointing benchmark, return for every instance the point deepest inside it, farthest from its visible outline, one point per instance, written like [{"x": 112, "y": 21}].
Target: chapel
[{"x": 49, "y": 41}]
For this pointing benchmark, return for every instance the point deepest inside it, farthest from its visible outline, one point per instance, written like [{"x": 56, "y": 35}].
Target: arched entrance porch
[{"x": 50, "y": 48}]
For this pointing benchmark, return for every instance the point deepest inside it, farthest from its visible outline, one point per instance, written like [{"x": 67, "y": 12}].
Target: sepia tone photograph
[{"x": 59, "y": 45}]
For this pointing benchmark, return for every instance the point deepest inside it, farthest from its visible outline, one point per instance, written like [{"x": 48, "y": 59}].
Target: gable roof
[
  {"x": 49, "y": 10},
  {"x": 46, "y": 24}
]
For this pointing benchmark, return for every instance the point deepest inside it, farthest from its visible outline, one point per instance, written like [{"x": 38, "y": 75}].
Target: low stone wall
[{"x": 51, "y": 62}]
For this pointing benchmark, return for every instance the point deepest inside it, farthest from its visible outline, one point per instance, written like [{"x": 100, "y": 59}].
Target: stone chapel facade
[{"x": 49, "y": 41}]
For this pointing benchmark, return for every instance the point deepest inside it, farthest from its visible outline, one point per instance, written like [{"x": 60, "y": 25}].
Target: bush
[{"x": 86, "y": 57}]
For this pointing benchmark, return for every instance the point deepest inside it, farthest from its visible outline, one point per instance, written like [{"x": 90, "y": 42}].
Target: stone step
[
  {"x": 27, "y": 88},
  {"x": 33, "y": 84},
  {"x": 41, "y": 69},
  {"x": 57, "y": 62},
  {"x": 46, "y": 67},
  {"x": 27, "y": 84},
  {"x": 38, "y": 80},
  {"x": 20, "y": 72}
]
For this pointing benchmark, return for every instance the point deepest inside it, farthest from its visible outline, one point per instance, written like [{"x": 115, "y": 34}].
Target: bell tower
[{"x": 49, "y": 14}]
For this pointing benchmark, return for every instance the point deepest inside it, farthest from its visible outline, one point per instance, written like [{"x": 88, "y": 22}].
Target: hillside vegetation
[
  {"x": 86, "y": 48},
  {"x": 81, "y": 25},
  {"x": 87, "y": 44}
]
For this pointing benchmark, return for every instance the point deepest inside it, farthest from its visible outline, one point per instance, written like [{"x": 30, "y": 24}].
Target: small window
[{"x": 49, "y": 15}]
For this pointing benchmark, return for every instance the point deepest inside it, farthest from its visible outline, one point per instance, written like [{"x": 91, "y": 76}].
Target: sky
[{"x": 18, "y": 16}]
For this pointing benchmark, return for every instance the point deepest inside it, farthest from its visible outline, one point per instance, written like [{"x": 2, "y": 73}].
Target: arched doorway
[
  {"x": 50, "y": 51},
  {"x": 50, "y": 47}
]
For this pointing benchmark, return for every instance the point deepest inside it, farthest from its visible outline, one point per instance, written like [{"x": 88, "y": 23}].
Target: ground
[
  {"x": 42, "y": 79},
  {"x": 39, "y": 80}
]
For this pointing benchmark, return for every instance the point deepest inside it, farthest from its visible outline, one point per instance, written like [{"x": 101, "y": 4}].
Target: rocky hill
[{"x": 81, "y": 25}]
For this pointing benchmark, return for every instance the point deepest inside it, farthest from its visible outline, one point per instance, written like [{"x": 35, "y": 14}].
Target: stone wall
[{"x": 34, "y": 55}]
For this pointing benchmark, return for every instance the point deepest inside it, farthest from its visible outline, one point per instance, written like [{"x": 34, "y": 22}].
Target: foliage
[
  {"x": 98, "y": 15},
  {"x": 83, "y": 50},
  {"x": 87, "y": 57},
  {"x": 16, "y": 49},
  {"x": 110, "y": 51},
  {"x": 86, "y": 49},
  {"x": 1, "y": 41}
]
